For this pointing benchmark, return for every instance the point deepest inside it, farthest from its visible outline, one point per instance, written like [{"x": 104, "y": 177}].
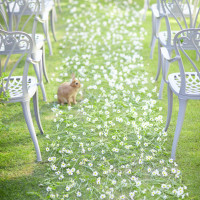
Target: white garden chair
[
  {"x": 157, "y": 15},
  {"x": 46, "y": 8},
  {"x": 185, "y": 85},
  {"x": 38, "y": 39},
  {"x": 165, "y": 38},
  {"x": 20, "y": 87}
]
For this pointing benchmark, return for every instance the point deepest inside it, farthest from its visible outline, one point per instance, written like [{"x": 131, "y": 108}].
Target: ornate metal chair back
[
  {"x": 188, "y": 39},
  {"x": 15, "y": 43}
]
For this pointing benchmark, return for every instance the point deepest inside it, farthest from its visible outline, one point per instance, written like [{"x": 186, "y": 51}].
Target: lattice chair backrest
[
  {"x": 185, "y": 40},
  {"x": 13, "y": 43}
]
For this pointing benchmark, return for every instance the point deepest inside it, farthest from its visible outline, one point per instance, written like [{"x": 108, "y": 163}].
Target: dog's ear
[{"x": 73, "y": 76}]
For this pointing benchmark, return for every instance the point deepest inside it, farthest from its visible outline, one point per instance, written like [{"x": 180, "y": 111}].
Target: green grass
[{"x": 22, "y": 178}]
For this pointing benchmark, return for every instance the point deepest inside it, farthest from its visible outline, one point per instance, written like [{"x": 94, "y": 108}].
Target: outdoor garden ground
[{"x": 111, "y": 144}]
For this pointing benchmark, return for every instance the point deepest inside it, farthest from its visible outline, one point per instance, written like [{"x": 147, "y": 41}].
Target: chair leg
[
  {"x": 152, "y": 29},
  {"x": 36, "y": 110},
  {"x": 52, "y": 24},
  {"x": 153, "y": 39},
  {"x": 43, "y": 91},
  {"x": 155, "y": 30},
  {"x": 16, "y": 19},
  {"x": 170, "y": 106},
  {"x": 146, "y": 3},
  {"x": 10, "y": 25},
  {"x": 166, "y": 68},
  {"x": 59, "y": 7},
  {"x": 163, "y": 65},
  {"x": 161, "y": 88},
  {"x": 45, "y": 26},
  {"x": 181, "y": 115},
  {"x": 41, "y": 82},
  {"x": 197, "y": 56},
  {"x": 153, "y": 43},
  {"x": 39, "y": 74},
  {"x": 159, "y": 62},
  {"x": 29, "y": 122},
  {"x": 44, "y": 64},
  {"x": 55, "y": 16}
]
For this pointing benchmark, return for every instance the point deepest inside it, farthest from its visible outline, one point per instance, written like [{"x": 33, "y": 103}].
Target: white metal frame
[
  {"x": 20, "y": 88},
  {"x": 185, "y": 85}
]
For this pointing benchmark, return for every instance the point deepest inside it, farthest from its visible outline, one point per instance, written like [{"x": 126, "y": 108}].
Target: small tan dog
[{"x": 67, "y": 91}]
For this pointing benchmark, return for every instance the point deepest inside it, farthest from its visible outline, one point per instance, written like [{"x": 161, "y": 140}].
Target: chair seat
[
  {"x": 192, "y": 84},
  {"x": 48, "y": 6},
  {"x": 13, "y": 7},
  {"x": 15, "y": 88},
  {"x": 162, "y": 36}
]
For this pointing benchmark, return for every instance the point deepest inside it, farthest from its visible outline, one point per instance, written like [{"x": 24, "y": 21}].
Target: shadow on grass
[{"x": 24, "y": 186}]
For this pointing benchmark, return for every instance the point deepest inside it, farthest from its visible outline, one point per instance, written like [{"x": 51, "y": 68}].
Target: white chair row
[
  {"x": 20, "y": 88},
  {"x": 185, "y": 85},
  {"x": 181, "y": 19},
  {"x": 30, "y": 49}
]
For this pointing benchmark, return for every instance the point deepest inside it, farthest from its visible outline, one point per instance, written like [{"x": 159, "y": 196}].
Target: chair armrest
[
  {"x": 39, "y": 19},
  {"x": 166, "y": 55},
  {"x": 33, "y": 61},
  {"x": 157, "y": 14}
]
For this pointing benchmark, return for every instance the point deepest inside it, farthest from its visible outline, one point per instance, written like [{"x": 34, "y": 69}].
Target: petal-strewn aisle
[{"x": 110, "y": 145}]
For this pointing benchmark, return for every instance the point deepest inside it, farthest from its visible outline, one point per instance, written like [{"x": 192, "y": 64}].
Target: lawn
[{"x": 110, "y": 145}]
